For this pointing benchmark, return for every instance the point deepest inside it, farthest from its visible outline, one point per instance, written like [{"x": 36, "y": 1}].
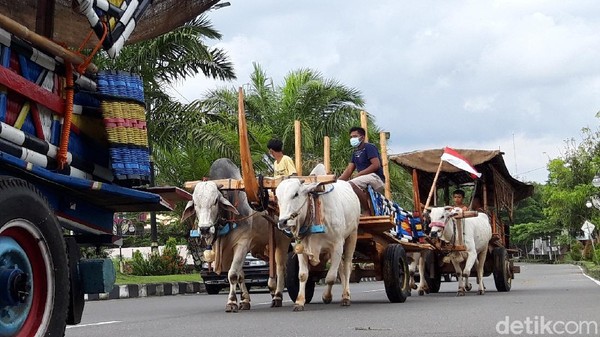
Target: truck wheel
[
  {"x": 292, "y": 283},
  {"x": 212, "y": 289},
  {"x": 34, "y": 303},
  {"x": 502, "y": 270},
  {"x": 395, "y": 273}
]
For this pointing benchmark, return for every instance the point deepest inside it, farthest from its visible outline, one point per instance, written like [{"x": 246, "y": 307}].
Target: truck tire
[{"x": 31, "y": 239}]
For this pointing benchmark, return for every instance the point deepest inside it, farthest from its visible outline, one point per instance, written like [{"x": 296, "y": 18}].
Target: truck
[{"x": 73, "y": 151}]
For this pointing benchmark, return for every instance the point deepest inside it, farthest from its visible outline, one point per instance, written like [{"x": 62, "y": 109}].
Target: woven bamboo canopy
[
  {"x": 501, "y": 186},
  {"x": 71, "y": 28}
]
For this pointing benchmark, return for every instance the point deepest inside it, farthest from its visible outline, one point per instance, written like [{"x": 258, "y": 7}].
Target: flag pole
[{"x": 437, "y": 173}]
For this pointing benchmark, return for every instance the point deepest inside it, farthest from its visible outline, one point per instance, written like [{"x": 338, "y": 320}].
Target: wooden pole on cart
[
  {"x": 437, "y": 174},
  {"x": 327, "y": 154},
  {"x": 383, "y": 136},
  {"x": 363, "y": 124},
  {"x": 416, "y": 196},
  {"x": 43, "y": 43},
  {"x": 250, "y": 182},
  {"x": 298, "y": 147}
]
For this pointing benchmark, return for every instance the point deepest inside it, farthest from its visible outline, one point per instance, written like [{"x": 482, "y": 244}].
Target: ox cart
[
  {"x": 73, "y": 151},
  {"x": 495, "y": 194},
  {"x": 384, "y": 237}
]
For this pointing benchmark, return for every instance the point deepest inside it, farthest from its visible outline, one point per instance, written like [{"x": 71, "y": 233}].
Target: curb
[
  {"x": 146, "y": 290},
  {"x": 159, "y": 289}
]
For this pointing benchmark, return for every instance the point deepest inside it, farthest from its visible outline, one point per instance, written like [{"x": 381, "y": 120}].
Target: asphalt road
[{"x": 559, "y": 294}]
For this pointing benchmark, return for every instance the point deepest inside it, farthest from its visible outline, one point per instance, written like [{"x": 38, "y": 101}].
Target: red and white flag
[{"x": 456, "y": 159}]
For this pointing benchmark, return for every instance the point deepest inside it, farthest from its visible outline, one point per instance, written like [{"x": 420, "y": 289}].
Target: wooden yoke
[{"x": 268, "y": 183}]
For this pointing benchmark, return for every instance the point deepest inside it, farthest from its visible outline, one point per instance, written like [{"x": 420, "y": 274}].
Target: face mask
[{"x": 355, "y": 141}]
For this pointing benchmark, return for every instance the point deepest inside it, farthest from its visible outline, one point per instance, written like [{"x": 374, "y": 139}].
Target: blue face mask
[{"x": 355, "y": 141}]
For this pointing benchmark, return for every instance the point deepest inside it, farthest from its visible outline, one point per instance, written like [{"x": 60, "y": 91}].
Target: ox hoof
[
  {"x": 460, "y": 293},
  {"x": 327, "y": 300},
  {"x": 276, "y": 303},
  {"x": 345, "y": 302},
  {"x": 245, "y": 306},
  {"x": 298, "y": 307},
  {"x": 421, "y": 292},
  {"x": 231, "y": 307},
  {"x": 469, "y": 287},
  {"x": 414, "y": 286},
  {"x": 481, "y": 292}
]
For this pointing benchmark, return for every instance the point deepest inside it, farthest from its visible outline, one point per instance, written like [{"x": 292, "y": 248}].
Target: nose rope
[{"x": 307, "y": 220}]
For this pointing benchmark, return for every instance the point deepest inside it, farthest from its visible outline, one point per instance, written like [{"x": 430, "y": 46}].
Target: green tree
[
  {"x": 569, "y": 184},
  {"x": 323, "y": 106}
]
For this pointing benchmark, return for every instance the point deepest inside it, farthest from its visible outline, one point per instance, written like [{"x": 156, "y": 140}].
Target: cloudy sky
[{"x": 520, "y": 76}]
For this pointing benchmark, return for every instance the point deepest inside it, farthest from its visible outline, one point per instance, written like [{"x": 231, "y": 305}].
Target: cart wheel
[
  {"x": 34, "y": 275},
  {"x": 431, "y": 264},
  {"x": 502, "y": 270},
  {"x": 212, "y": 289},
  {"x": 395, "y": 273},
  {"x": 293, "y": 284}
]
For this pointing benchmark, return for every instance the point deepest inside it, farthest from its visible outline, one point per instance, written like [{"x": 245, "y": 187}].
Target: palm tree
[{"x": 324, "y": 107}]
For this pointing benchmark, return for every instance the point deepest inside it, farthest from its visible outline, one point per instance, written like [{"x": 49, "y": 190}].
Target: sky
[{"x": 519, "y": 76}]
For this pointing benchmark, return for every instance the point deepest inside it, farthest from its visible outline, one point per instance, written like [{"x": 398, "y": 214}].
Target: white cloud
[
  {"x": 528, "y": 68},
  {"x": 479, "y": 103}
]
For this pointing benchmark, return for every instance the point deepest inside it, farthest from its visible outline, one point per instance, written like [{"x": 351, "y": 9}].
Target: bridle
[
  {"x": 308, "y": 220},
  {"x": 443, "y": 226}
]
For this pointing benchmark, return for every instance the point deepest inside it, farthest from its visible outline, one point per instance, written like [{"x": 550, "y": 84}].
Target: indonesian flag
[{"x": 456, "y": 159}]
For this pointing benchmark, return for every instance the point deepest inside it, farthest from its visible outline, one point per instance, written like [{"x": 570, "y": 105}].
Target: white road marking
[
  {"x": 92, "y": 324},
  {"x": 372, "y": 291},
  {"x": 289, "y": 301},
  {"x": 269, "y": 303},
  {"x": 591, "y": 278}
]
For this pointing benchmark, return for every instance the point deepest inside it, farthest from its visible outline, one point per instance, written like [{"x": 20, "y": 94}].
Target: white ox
[
  {"x": 339, "y": 213},
  {"x": 477, "y": 233},
  {"x": 417, "y": 260},
  {"x": 214, "y": 209}
]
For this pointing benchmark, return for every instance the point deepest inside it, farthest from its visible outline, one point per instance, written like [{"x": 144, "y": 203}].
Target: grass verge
[{"x": 134, "y": 279}]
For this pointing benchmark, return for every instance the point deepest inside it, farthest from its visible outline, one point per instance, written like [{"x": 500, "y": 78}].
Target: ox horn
[{"x": 248, "y": 175}]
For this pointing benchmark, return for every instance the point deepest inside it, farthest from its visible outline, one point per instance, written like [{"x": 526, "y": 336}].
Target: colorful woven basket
[{"x": 125, "y": 122}]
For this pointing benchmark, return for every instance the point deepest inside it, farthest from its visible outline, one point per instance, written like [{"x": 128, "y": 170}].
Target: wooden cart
[
  {"x": 497, "y": 191},
  {"x": 377, "y": 245}
]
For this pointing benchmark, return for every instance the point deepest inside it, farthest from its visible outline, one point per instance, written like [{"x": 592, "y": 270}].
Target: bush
[
  {"x": 588, "y": 252},
  {"x": 169, "y": 263},
  {"x": 575, "y": 252}
]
